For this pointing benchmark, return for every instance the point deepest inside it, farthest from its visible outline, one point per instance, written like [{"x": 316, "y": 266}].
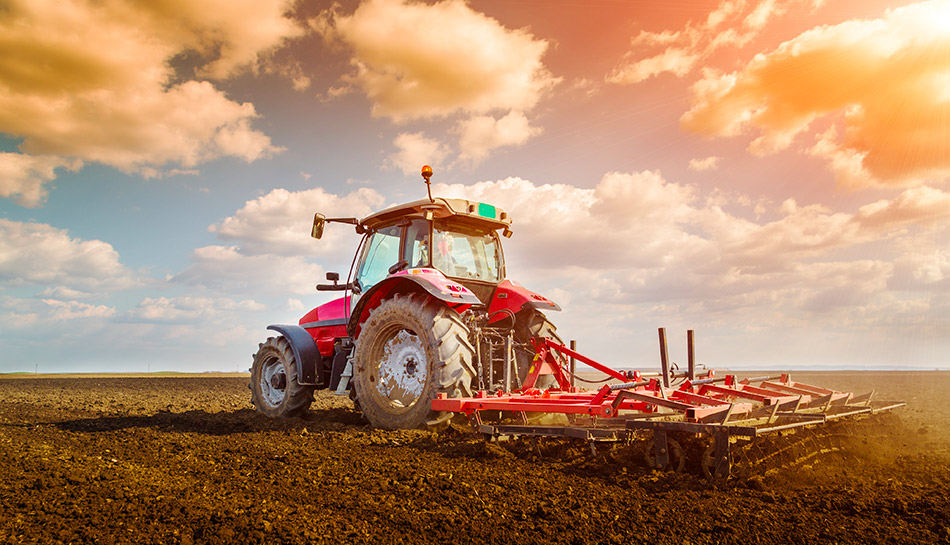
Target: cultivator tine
[
  {"x": 775, "y": 408},
  {"x": 508, "y": 363},
  {"x": 863, "y": 399},
  {"x": 690, "y": 356},
  {"x": 755, "y": 421},
  {"x": 723, "y": 458},
  {"x": 725, "y": 417},
  {"x": 664, "y": 358}
]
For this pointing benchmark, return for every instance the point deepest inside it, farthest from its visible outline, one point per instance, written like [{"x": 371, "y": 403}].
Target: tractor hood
[{"x": 472, "y": 212}]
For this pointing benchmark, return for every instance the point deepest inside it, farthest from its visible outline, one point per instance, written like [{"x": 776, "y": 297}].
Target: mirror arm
[
  {"x": 400, "y": 265},
  {"x": 334, "y": 287}
]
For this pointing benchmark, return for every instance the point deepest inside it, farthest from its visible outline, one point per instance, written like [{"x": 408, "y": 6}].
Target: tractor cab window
[
  {"x": 417, "y": 244},
  {"x": 465, "y": 252},
  {"x": 380, "y": 253}
]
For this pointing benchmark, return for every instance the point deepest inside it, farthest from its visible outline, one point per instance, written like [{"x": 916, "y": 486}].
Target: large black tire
[
  {"x": 275, "y": 391},
  {"x": 409, "y": 350},
  {"x": 530, "y": 324}
]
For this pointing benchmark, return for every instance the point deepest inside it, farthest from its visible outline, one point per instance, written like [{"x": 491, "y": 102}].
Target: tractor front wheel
[
  {"x": 274, "y": 387},
  {"x": 409, "y": 350}
]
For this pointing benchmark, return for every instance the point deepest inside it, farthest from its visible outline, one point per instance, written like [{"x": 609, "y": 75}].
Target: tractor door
[{"x": 380, "y": 252}]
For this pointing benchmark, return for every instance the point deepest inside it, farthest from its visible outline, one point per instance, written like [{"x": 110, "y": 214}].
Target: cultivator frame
[{"x": 730, "y": 410}]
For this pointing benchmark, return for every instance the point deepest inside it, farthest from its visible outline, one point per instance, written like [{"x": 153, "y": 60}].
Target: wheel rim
[
  {"x": 676, "y": 460},
  {"x": 401, "y": 371},
  {"x": 273, "y": 382}
]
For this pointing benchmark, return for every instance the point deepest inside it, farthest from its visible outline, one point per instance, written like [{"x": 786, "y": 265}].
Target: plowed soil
[{"x": 187, "y": 460}]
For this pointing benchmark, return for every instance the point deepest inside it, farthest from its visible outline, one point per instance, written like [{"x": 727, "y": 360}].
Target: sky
[{"x": 771, "y": 174}]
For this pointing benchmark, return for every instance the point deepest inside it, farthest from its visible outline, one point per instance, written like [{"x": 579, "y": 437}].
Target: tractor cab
[{"x": 456, "y": 237}]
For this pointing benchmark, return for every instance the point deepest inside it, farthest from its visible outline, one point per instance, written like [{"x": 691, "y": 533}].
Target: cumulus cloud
[
  {"x": 279, "y": 222},
  {"x": 733, "y": 23},
  {"x": 40, "y": 254},
  {"x": 271, "y": 251},
  {"x": 104, "y": 82},
  {"x": 23, "y": 178},
  {"x": 226, "y": 269},
  {"x": 922, "y": 271},
  {"x": 28, "y": 313},
  {"x": 704, "y": 164},
  {"x": 479, "y": 135},
  {"x": 882, "y": 81},
  {"x": 638, "y": 239},
  {"x": 417, "y": 60},
  {"x": 415, "y": 149},
  {"x": 186, "y": 309},
  {"x": 71, "y": 310}
]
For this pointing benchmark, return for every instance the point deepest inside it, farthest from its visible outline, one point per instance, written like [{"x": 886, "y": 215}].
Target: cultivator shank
[{"x": 731, "y": 411}]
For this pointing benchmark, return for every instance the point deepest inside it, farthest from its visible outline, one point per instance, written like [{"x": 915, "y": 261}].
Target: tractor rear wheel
[
  {"x": 530, "y": 324},
  {"x": 409, "y": 350},
  {"x": 274, "y": 387}
]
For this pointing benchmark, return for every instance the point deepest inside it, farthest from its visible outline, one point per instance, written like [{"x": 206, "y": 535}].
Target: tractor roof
[{"x": 470, "y": 212}]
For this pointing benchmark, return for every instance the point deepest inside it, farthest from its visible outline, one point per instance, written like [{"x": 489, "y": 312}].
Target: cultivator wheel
[
  {"x": 410, "y": 350},
  {"x": 740, "y": 466},
  {"x": 675, "y": 460},
  {"x": 274, "y": 387}
]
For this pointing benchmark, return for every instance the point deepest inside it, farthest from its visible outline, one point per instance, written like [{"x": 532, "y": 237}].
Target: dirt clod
[{"x": 187, "y": 460}]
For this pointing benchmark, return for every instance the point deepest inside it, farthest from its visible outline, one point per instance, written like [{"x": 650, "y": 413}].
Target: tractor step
[{"x": 342, "y": 388}]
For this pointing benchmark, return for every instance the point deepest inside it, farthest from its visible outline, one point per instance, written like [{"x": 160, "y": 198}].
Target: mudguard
[
  {"x": 305, "y": 350},
  {"x": 515, "y": 297},
  {"x": 430, "y": 281}
]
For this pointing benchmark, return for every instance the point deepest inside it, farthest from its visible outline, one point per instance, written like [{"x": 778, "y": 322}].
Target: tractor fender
[
  {"x": 308, "y": 358},
  {"x": 515, "y": 297},
  {"x": 429, "y": 281}
]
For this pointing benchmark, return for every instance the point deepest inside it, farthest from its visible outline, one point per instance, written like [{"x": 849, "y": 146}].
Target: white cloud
[
  {"x": 882, "y": 80},
  {"x": 62, "y": 292},
  {"x": 71, "y": 310},
  {"x": 224, "y": 269},
  {"x": 279, "y": 222},
  {"x": 704, "y": 164},
  {"x": 272, "y": 253},
  {"x": 23, "y": 178},
  {"x": 637, "y": 239},
  {"x": 185, "y": 310},
  {"x": 414, "y": 150},
  {"x": 416, "y": 60},
  {"x": 40, "y": 254},
  {"x": 479, "y": 135},
  {"x": 679, "y": 52},
  {"x": 97, "y": 82},
  {"x": 922, "y": 271},
  {"x": 676, "y": 61}
]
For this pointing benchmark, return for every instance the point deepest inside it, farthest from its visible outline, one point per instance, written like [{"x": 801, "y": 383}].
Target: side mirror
[
  {"x": 335, "y": 286},
  {"x": 319, "y": 220}
]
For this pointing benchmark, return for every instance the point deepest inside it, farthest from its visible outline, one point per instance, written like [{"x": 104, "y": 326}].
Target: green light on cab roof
[{"x": 486, "y": 210}]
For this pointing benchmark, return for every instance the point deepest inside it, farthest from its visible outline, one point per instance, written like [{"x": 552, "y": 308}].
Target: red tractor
[{"x": 426, "y": 310}]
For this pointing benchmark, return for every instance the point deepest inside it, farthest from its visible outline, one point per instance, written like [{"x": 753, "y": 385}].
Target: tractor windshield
[{"x": 465, "y": 252}]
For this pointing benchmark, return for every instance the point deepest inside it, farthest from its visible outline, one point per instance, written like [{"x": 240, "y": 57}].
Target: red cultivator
[{"x": 728, "y": 409}]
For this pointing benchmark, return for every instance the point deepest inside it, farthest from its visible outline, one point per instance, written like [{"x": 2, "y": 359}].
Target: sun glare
[
  {"x": 942, "y": 84},
  {"x": 941, "y": 17}
]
